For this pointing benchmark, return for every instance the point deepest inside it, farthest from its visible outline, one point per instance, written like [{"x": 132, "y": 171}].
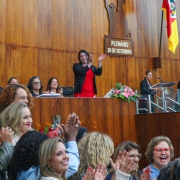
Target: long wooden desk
[{"x": 108, "y": 115}]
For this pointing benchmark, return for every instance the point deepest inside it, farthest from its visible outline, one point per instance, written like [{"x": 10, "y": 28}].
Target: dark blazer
[
  {"x": 80, "y": 74},
  {"x": 144, "y": 87}
]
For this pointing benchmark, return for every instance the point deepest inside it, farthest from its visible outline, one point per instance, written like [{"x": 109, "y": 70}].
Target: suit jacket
[
  {"x": 144, "y": 87},
  {"x": 80, "y": 75}
]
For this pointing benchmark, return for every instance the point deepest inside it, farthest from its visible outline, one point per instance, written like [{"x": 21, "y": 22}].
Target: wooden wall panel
[
  {"x": 44, "y": 23},
  {"x": 29, "y": 59},
  {"x": 2, "y": 21},
  {"x": 13, "y": 61},
  {"x": 59, "y": 25},
  {"x": 48, "y": 34},
  {"x": 30, "y": 23},
  {"x": 3, "y": 77},
  {"x": 14, "y": 22}
]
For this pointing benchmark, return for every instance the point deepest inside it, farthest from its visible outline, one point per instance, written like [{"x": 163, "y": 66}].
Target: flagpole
[
  {"x": 157, "y": 60},
  {"x": 161, "y": 35}
]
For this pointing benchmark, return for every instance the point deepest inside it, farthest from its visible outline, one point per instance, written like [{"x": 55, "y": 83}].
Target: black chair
[{"x": 68, "y": 91}]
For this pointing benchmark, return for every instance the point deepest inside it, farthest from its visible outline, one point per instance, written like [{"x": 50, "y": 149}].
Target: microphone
[
  {"x": 160, "y": 79},
  {"x": 164, "y": 82}
]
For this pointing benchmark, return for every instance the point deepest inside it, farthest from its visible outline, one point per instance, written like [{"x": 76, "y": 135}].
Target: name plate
[{"x": 118, "y": 47}]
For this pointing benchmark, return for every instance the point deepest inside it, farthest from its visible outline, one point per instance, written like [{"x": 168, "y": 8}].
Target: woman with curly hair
[
  {"x": 159, "y": 152},
  {"x": 94, "y": 148},
  {"x": 53, "y": 159},
  {"x": 15, "y": 93},
  {"x": 25, "y": 162},
  {"x": 35, "y": 86}
]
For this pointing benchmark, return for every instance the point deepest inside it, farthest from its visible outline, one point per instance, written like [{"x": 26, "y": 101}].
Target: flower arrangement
[
  {"x": 124, "y": 92},
  {"x": 50, "y": 132}
]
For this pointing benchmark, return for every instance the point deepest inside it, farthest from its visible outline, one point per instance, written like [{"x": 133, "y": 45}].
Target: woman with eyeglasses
[
  {"x": 159, "y": 152},
  {"x": 35, "y": 86},
  {"x": 127, "y": 156},
  {"x": 15, "y": 93}
]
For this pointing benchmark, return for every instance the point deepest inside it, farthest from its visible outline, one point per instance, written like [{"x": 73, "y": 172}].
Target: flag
[{"x": 169, "y": 9}]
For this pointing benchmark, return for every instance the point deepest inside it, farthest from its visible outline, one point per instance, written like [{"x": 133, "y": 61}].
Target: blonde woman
[
  {"x": 53, "y": 159},
  {"x": 15, "y": 119},
  {"x": 95, "y": 148}
]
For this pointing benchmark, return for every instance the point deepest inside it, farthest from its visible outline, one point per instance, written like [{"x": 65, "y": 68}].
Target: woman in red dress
[{"x": 84, "y": 74}]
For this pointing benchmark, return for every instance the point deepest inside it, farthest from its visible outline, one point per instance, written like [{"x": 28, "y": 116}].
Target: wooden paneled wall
[{"x": 43, "y": 37}]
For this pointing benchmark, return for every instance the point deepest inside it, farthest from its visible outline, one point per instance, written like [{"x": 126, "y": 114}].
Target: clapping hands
[
  {"x": 71, "y": 127},
  {"x": 96, "y": 174},
  {"x": 123, "y": 163}
]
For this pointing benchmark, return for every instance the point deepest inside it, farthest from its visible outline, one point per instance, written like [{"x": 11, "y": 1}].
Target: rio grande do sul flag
[{"x": 169, "y": 8}]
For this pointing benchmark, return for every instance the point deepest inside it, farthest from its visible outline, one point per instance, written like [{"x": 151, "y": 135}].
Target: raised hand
[
  {"x": 98, "y": 174},
  {"x": 6, "y": 135},
  {"x": 91, "y": 58},
  {"x": 125, "y": 164},
  {"x": 71, "y": 127},
  {"x": 146, "y": 174},
  {"x": 101, "y": 57}
]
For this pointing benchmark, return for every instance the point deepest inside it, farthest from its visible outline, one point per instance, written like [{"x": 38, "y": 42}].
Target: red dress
[{"x": 88, "y": 86}]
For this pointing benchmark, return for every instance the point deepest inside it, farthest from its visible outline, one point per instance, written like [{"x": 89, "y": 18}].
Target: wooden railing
[{"x": 108, "y": 115}]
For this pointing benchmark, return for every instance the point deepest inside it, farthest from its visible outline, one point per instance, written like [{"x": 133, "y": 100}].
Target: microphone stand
[{"x": 164, "y": 82}]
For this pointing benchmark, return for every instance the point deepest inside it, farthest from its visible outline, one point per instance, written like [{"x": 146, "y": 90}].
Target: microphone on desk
[{"x": 160, "y": 79}]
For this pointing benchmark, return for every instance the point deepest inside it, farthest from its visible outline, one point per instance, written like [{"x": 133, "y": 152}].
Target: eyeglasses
[
  {"x": 160, "y": 150},
  {"x": 133, "y": 156},
  {"x": 22, "y": 97},
  {"x": 36, "y": 83}
]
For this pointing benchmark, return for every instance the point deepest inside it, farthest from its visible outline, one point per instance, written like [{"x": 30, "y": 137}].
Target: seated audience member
[
  {"x": 159, "y": 152},
  {"x": 35, "y": 86},
  {"x": 1, "y": 89},
  {"x": 128, "y": 154},
  {"x": 13, "y": 80},
  {"x": 53, "y": 86},
  {"x": 70, "y": 130},
  {"x": 25, "y": 161},
  {"x": 81, "y": 133},
  {"x": 17, "y": 118},
  {"x": 53, "y": 159},
  {"x": 171, "y": 171},
  {"x": 94, "y": 148},
  {"x": 15, "y": 93}
]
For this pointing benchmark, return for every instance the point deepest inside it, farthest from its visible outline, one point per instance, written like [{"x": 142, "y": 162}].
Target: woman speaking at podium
[{"x": 146, "y": 90}]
